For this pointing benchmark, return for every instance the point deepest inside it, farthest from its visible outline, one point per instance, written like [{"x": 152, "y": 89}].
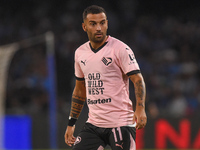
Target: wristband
[{"x": 72, "y": 121}]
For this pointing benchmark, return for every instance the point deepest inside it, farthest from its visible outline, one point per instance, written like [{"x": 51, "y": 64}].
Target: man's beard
[{"x": 98, "y": 40}]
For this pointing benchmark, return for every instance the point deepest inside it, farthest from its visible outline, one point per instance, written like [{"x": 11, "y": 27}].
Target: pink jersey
[{"x": 105, "y": 72}]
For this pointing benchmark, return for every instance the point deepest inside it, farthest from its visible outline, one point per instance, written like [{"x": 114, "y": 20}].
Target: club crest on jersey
[{"x": 106, "y": 60}]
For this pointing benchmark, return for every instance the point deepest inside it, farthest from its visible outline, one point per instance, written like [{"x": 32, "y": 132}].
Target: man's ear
[{"x": 84, "y": 27}]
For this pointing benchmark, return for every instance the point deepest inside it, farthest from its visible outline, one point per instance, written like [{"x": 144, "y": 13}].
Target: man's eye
[{"x": 102, "y": 23}]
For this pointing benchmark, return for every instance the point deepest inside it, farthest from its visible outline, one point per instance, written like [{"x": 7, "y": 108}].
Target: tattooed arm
[
  {"x": 140, "y": 93},
  {"x": 78, "y": 100}
]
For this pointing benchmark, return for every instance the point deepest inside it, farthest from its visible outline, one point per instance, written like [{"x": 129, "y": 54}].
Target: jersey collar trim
[{"x": 96, "y": 50}]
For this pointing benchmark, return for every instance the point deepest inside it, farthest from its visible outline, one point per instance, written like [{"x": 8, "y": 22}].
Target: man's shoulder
[
  {"x": 84, "y": 46},
  {"x": 117, "y": 43},
  {"x": 114, "y": 40}
]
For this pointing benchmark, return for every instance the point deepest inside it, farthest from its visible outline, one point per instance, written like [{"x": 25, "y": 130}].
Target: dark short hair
[{"x": 94, "y": 9}]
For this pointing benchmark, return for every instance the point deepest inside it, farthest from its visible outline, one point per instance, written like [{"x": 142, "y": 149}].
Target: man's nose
[{"x": 98, "y": 27}]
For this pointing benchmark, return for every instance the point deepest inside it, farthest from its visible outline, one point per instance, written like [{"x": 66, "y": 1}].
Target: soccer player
[{"x": 103, "y": 66}]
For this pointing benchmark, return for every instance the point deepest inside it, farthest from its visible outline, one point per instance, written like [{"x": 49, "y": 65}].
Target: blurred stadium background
[{"x": 35, "y": 90}]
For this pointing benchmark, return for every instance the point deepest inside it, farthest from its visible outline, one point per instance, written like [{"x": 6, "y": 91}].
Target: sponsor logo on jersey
[
  {"x": 132, "y": 58},
  {"x": 106, "y": 60},
  {"x": 99, "y": 101},
  {"x": 83, "y": 62},
  {"x": 95, "y": 84}
]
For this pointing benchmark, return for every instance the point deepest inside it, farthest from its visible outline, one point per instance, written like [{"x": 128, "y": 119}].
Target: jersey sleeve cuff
[
  {"x": 80, "y": 79},
  {"x": 133, "y": 72}
]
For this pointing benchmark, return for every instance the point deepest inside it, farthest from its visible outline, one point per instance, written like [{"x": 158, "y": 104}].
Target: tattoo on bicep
[{"x": 77, "y": 105}]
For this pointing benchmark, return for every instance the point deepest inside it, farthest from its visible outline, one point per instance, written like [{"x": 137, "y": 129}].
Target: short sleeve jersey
[{"x": 105, "y": 72}]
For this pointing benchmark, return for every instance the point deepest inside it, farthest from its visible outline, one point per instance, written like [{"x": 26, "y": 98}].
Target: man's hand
[
  {"x": 140, "y": 118},
  {"x": 69, "y": 138}
]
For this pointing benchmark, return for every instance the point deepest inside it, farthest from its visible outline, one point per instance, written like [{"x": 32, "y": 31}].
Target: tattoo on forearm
[
  {"x": 139, "y": 90},
  {"x": 140, "y": 93},
  {"x": 78, "y": 97},
  {"x": 141, "y": 104},
  {"x": 77, "y": 105}
]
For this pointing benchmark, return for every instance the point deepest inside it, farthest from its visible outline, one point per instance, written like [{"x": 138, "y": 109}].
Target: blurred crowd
[{"x": 166, "y": 48}]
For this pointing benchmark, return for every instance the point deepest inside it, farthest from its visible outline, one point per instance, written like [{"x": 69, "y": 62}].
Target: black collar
[{"x": 96, "y": 50}]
